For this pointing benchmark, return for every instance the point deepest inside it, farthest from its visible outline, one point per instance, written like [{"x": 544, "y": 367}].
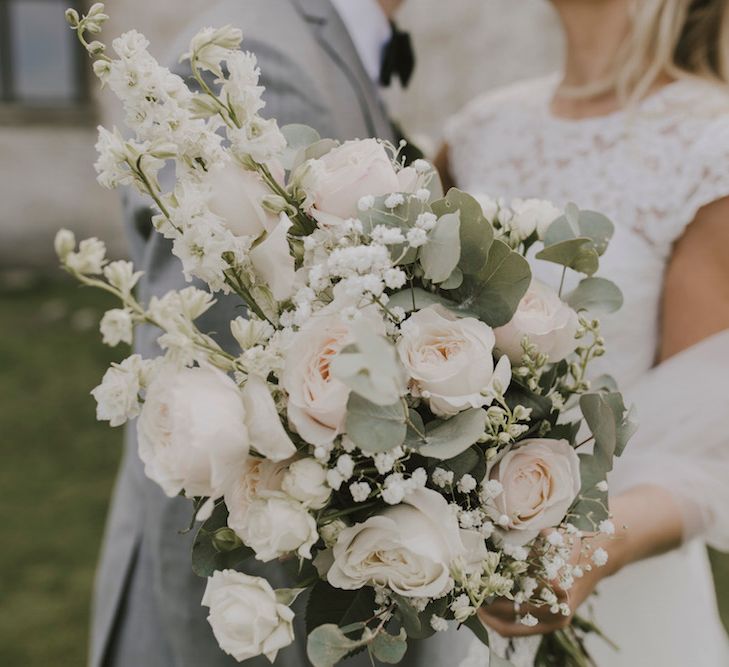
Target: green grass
[
  {"x": 58, "y": 465},
  {"x": 57, "y": 469}
]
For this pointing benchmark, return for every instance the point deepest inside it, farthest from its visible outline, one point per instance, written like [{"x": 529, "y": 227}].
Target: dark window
[{"x": 42, "y": 65}]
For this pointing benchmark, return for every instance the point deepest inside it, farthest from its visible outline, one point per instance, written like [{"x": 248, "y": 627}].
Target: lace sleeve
[{"x": 682, "y": 443}]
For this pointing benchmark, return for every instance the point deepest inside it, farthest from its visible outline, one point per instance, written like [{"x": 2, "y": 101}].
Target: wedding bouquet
[{"x": 399, "y": 425}]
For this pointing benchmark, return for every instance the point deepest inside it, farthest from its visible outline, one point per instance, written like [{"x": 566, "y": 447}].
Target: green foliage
[
  {"x": 578, "y": 254},
  {"x": 375, "y": 428},
  {"x": 439, "y": 257},
  {"x": 370, "y": 367},
  {"x": 207, "y": 554},
  {"x": 447, "y": 439},
  {"x": 327, "y": 645},
  {"x": 494, "y": 293},
  {"x": 597, "y": 295},
  {"x": 330, "y": 605}
]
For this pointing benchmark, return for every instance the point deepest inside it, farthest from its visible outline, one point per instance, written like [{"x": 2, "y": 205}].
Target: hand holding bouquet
[{"x": 400, "y": 419}]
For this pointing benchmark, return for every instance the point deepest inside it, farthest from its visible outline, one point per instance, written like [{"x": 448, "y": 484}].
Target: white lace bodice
[{"x": 649, "y": 169}]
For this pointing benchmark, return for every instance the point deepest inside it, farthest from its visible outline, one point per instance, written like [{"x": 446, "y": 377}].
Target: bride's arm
[{"x": 674, "y": 475}]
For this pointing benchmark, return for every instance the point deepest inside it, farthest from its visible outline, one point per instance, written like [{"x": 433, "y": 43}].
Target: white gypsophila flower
[
  {"x": 422, "y": 195},
  {"x": 384, "y": 461},
  {"x": 259, "y": 139},
  {"x": 121, "y": 274},
  {"x": 422, "y": 166},
  {"x": 64, "y": 243},
  {"x": 438, "y": 623},
  {"x": 393, "y": 492},
  {"x": 345, "y": 466},
  {"x": 442, "y": 477},
  {"x": 117, "y": 397},
  {"x": 491, "y": 488},
  {"x": 466, "y": 484},
  {"x": 529, "y": 620},
  {"x": 387, "y": 235},
  {"x": 117, "y": 325},
  {"x": 395, "y": 278},
  {"x": 487, "y": 529},
  {"x": 606, "y": 526},
  {"x": 360, "y": 491},
  {"x": 276, "y": 526},
  {"x": 555, "y": 538},
  {"x": 246, "y": 617},
  {"x": 600, "y": 557},
  {"x": 89, "y": 259},
  {"x": 417, "y": 237},
  {"x": 334, "y": 478},
  {"x": 366, "y": 203},
  {"x": 306, "y": 481},
  {"x": 602, "y": 486},
  {"x": 394, "y": 200}
]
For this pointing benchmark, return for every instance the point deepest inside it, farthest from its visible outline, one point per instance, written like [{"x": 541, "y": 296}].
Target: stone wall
[{"x": 464, "y": 47}]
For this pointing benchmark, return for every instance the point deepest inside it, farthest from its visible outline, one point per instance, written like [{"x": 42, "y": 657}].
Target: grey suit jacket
[{"x": 147, "y": 609}]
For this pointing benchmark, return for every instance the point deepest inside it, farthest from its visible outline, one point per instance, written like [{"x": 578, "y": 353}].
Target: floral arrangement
[{"x": 399, "y": 424}]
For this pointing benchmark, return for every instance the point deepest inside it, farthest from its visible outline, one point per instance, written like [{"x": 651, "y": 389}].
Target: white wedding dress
[{"x": 650, "y": 169}]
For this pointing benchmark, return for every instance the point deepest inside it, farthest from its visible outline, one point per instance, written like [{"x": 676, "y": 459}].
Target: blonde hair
[{"x": 680, "y": 38}]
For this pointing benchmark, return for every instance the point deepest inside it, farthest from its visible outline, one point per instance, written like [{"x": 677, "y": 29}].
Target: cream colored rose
[
  {"x": 409, "y": 548},
  {"x": 256, "y": 478},
  {"x": 277, "y": 525},
  {"x": 192, "y": 431},
  {"x": 337, "y": 181},
  {"x": 450, "y": 360},
  {"x": 246, "y": 618},
  {"x": 266, "y": 432},
  {"x": 306, "y": 481},
  {"x": 317, "y": 406},
  {"x": 548, "y": 323},
  {"x": 540, "y": 480}
]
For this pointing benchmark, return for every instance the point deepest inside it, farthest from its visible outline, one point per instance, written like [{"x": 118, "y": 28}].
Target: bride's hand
[{"x": 647, "y": 521}]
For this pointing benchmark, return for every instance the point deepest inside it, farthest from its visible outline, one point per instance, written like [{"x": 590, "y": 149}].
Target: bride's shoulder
[{"x": 524, "y": 96}]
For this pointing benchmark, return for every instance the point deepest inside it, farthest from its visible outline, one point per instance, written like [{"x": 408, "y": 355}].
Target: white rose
[
  {"x": 246, "y": 618},
  {"x": 117, "y": 397},
  {"x": 450, "y": 360},
  {"x": 337, "y": 181},
  {"x": 265, "y": 430},
  {"x": 235, "y": 196},
  {"x": 192, "y": 431},
  {"x": 251, "y": 482},
  {"x": 540, "y": 479},
  {"x": 276, "y": 526},
  {"x": 532, "y": 215},
  {"x": 306, "y": 481},
  {"x": 273, "y": 262},
  {"x": 117, "y": 326},
  {"x": 317, "y": 406},
  {"x": 409, "y": 548},
  {"x": 548, "y": 322}
]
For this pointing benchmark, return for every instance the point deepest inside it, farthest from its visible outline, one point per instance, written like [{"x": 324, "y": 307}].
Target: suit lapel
[{"x": 332, "y": 34}]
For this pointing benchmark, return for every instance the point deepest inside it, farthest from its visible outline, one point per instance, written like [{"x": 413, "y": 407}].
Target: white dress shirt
[{"x": 369, "y": 29}]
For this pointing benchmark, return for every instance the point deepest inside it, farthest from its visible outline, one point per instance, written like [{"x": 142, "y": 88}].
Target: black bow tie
[{"x": 398, "y": 58}]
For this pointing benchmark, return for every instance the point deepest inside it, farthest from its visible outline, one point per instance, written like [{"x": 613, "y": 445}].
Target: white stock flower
[
  {"x": 211, "y": 45},
  {"x": 338, "y": 181},
  {"x": 532, "y": 215},
  {"x": 409, "y": 548},
  {"x": 64, "y": 243},
  {"x": 246, "y": 618},
  {"x": 250, "y": 332},
  {"x": 89, "y": 259},
  {"x": 277, "y": 525},
  {"x": 548, "y": 323},
  {"x": 259, "y": 138},
  {"x": 121, "y": 274},
  {"x": 540, "y": 479},
  {"x": 192, "y": 431},
  {"x": 306, "y": 481},
  {"x": 450, "y": 360},
  {"x": 117, "y": 325},
  {"x": 117, "y": 397}
]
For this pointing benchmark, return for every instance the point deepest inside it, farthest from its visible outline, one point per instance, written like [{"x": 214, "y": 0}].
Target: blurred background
[{"x": 58, "y": 463}]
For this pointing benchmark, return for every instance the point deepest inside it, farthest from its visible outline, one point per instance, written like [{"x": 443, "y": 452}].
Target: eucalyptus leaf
[
  {"x": 475, "y": 232},
  {"x": 596, "y": 295},
  {"x": 316, "y": 150},
  {"x": 297, "y": 137},
  {"x": 375, "y": 428},
  {"x": 439, "y": 257},
  {"x": 452, "y": 437},
  {"x": 370, "y": 367},
  {"x": 388, "y": 648},
  {"x": 326, "y": 645},
  {"x": 581, "y": 224},
  {"x": 287, "y": 596},
  {"x": 494, "y": 293},
  {"x": 578, "y": 254},
  {"x": 454, "y": 281},
  {"x": 401, "y": 217},
  {"x": 327, "y": 604}
]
